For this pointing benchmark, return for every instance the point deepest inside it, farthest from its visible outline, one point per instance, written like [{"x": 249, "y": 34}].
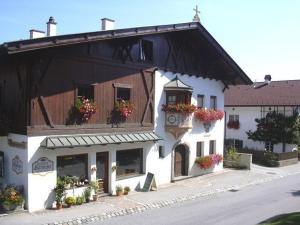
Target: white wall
[
  {"x": 247, "y": 116},
  {"x": 191, "y": 137}
]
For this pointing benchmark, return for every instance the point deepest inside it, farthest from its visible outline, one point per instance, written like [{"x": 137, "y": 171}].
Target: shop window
[
  {"x": 213, "y": 102},
  {"x": 86, "y": 91},
  {"x": 212, "y": 147},
  {"x": 200, "y": 101},
  {"x": 129, "y": 163},
  {"x": 200, "y": 149},
  {"x": 269, "y": 146},
  {"x": 73, "y": 165},
  {"x": 146, "y": 50}
]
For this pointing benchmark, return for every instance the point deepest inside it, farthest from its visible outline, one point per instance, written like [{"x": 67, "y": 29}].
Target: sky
[{"x": 262, "y": 36}]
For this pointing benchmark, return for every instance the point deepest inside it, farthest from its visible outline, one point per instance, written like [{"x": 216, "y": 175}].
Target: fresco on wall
[
  {"x": 17, "y": 165},
  {"x": 42, "y": 165}
]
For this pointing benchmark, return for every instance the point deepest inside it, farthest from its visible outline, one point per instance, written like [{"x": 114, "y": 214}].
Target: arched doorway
[{"x": 181, "y": 161}]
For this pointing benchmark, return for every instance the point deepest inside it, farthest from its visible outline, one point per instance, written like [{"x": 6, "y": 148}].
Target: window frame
[
  {"x": 199, "y": 148},
  {"x": 85, "y": 155},
  {"x": 118, "y": 86},
  {"x": 202, "y": 97},
  {"x": 269, "y": 146},
  {"x": 144, "y": 54},
  {"x": 180, "y": 95},
  {"x": 214, "y": 104},
  {"x": 141, "y": 166},
  {"x": 85, "y": 86},
  {"x": 212, "y": 147},
  {"x": 234, "y": 118}
]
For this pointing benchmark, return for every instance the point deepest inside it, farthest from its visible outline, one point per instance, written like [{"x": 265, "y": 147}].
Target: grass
[{"x": 284, "y": 219}]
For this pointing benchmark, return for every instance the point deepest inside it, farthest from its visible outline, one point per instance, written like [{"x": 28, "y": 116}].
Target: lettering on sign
[
  {"x": 42, "y": 165},
  {"x": 17, "y": 165}
]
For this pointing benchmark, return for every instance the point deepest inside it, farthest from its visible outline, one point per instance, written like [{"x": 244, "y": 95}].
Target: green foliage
[
  {"x": 94, "y": 185},
  {"x": 119, "y": 188},
  {"x": 87, "y": 193},
  {"x": 127, "y": 189},
  {"x": 284, "y": 219},
  {"x": 11, "y": 196},
  {"x": 70, "y": 200},
  {"x": 79, "y": 200},
  {"x": 277, "y": 128},
  {"x": 59, "y": 190},
  {"x": 231, "y": 154}
]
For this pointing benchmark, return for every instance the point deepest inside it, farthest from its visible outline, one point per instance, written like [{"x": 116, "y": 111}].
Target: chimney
[
  {"x": 51, "y": 27},
  {"x": 36, "y": 34},
  {"x": 107, "y": 24},
  {"x": 268, "y": 79}
]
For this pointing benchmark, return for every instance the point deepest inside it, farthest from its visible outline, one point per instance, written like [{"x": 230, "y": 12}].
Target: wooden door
[
  {"x": 179, "y": 162},
  {"x": 102, "y": 170}
]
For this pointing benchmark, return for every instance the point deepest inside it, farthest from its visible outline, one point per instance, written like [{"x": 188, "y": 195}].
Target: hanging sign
[
  {"x": 17, "y": 165},
  {"x": 42, "y": 165}
]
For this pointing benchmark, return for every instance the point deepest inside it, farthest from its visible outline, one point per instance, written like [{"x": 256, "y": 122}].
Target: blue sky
[{"x": 262, "y": 36}]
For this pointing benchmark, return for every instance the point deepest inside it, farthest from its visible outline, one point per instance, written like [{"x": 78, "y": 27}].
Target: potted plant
[
  {"x": 86, "y": 108},
  {"x": 70, "y": 201},
  {"x": 126, "y": 190},
  {"x": 87, "y": 194},
  {"x": 79, "y": 200},
  {"x": 11, "y": 198},
  {"x": 94, "y": 185},
  {"x": 179, "y": 108},
  {"x": 59, "y": 192},
  {"x": 119, "y": 190}
]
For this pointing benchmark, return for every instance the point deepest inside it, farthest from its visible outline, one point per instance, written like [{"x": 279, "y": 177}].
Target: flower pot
[
  {"x": 119, "y": 193},
  {"x": 58, "y": 205},
  {"x": 125, "y": 193},
  {"x": 95, "y": 197}
]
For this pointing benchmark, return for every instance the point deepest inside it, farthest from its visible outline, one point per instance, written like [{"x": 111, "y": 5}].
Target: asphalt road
[{"x": 248, "y": 206}]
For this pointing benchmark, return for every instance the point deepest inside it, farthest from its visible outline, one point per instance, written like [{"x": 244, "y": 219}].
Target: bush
[
  {"x": 11, "y": 197},
  {"x": 70, "y": 200},
  {"x": 79, "y": 200}
]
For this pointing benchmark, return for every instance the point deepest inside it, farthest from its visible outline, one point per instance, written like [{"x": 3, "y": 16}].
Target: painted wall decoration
[
  {"x": 17, "y": 165},
  {"x": 42, "y": 165}
]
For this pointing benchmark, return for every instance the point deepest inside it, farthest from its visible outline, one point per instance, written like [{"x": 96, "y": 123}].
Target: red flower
[
  {"x": 179, "y": 108},
  {"x": 208, "y": 115}
]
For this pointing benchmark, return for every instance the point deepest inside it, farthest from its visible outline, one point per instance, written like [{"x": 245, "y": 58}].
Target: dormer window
[{"x": 146, "y": 50}]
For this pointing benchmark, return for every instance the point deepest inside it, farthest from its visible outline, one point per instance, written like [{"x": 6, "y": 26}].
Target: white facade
[
  {"x": 39, "y": 186},
  {"x": 247, "y": 116}
]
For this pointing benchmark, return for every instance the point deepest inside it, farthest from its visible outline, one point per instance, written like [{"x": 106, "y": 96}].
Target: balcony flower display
[
  {"x": 179, "y": 108},
  {"x": 209, "y": 161},
  {"x": 209, "y": 115},
  {"x": 123, "y": 109},
  {"x": 233, "y": 125},
  {"x": 86, "y": 108}
]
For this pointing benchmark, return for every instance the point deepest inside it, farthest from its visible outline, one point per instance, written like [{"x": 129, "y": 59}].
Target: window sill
[{"x": 129, "y": 176}]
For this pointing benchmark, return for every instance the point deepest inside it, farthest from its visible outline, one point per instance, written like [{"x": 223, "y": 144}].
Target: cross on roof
[{"x": 196, "y": 17}]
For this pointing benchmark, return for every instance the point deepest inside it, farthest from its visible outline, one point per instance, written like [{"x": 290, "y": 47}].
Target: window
[
  {"x": 179, "y": 97},
  {"x": 200, "y": 149},
  {"x": 233, "y": 143},
  {"x": 129, "y": 163},
  {"x": 123, "y": 94},
  {"x": 146, "y": 50},
  {"x": 213, "y": 102},
  {"x": 200, "y": 101},
  {"x": 86, "y": 91},
  {"x": 269, "y": 146},
  {"x": 161, "y": 152},
  {"x": 234, "y": 118},
  {"x": 212, "y": 147},
  {"x": 73, "y": 165}
]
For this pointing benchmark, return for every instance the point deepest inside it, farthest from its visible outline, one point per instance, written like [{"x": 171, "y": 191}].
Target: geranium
[
  {"x": 179, "y": 108},
  {"x": 208, "y": 115},
  {"x": 124, "y": 108},
  {"x": 206, "y": 162},
  {"x": 86, "y": 108},
  {"x": 11, "y": 196},
  {"x": 233, "y": 124}
]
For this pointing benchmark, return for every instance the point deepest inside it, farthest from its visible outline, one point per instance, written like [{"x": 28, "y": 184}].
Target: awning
[{"x": 97, "y": 139}]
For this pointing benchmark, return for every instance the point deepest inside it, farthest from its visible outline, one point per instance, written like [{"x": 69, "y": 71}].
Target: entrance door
[
  {"x": 180, "y": 161},
  {"x": 102, "y": 170}
]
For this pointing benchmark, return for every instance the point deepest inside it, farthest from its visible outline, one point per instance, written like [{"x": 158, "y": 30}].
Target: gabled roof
[
  {"x": 16, "y": 47},
  {"x": 177, "y": 85},
  {"x": 277, "y": 93}
]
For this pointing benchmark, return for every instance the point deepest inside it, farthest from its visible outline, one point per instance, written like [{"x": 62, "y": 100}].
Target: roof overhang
[{"x": 72, "y": 141}]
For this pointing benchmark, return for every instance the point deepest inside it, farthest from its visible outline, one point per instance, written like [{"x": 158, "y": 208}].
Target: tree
[{"x": 277, "y": 128}]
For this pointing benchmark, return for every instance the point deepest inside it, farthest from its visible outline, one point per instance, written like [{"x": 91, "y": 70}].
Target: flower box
[
  {"x": 209, "y": 161},
  {"x": 86, "y": 108},
  {"x": 208, "y": 115}
]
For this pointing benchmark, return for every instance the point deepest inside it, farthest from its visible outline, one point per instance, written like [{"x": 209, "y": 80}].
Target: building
[
  {"x": 43, "y": 79},
  {"x": 245, "y": 103}
]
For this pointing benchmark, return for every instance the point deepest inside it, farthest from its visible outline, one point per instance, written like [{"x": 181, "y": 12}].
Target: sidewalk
[{"x": 227, "y": 180}]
